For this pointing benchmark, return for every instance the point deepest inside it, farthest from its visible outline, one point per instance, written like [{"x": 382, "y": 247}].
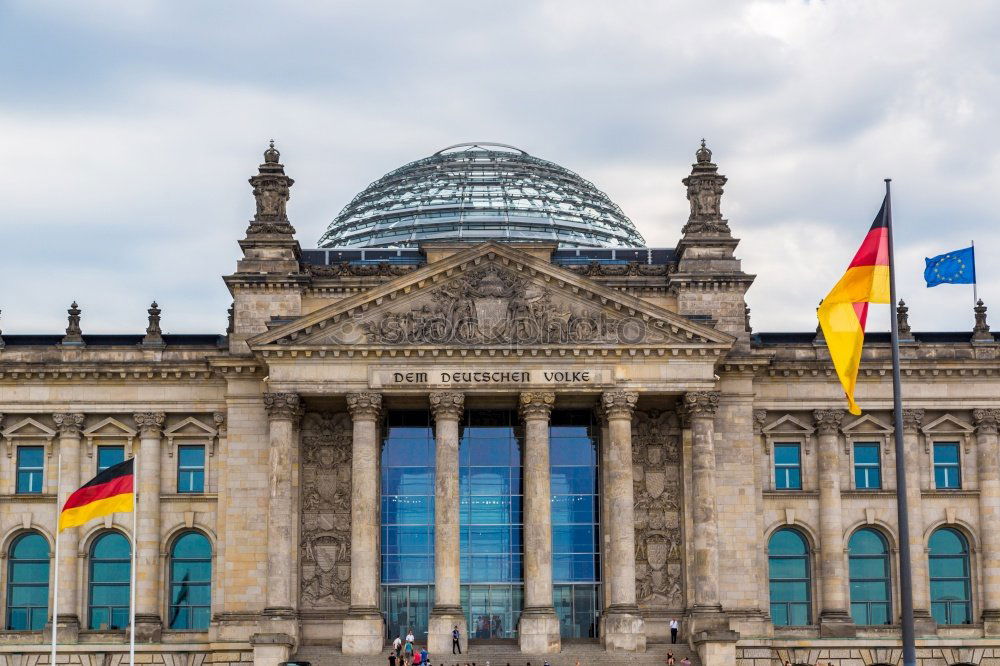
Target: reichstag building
[{"x": 482, "y": 401}]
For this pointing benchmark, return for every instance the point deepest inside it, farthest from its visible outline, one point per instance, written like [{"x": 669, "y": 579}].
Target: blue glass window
[
  {"x": 951, "y": 589},
  {"x": 28, "y": 583},
  {"x": 109, "y": 456},
  {"x": 190, "y": 582},
  {"x": 869, "y": 574},
  {"x": 947, "y": 473},
  {"x": 30, "y": 469},
  {"x": 787, "y": 467},
  {"x": 788, "y": 575},
  {"x": 110, "y": 570},
  {"x": 191, "y": 468},
  {"x": 867, "y": 467}
]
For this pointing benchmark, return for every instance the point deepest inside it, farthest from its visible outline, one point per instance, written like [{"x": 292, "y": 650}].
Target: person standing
[
  {"x": 674, "y": 626},
  {"x": 397, "y": 646},
  {"x": 456, "y": 642}
]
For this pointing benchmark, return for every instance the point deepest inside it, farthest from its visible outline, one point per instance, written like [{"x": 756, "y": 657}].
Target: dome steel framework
[{"x": 481, "y": 191}]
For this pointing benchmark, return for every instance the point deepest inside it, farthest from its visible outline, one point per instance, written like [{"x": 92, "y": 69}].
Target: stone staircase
[{"x": 588, "y": 654}]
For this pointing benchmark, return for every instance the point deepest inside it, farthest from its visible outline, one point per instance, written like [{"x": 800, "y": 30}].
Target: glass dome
[{"x": 481, "y": 191}]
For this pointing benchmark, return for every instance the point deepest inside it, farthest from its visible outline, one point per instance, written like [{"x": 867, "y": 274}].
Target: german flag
[
  {"x": 111, "y": 491},
  {"x": 843, "y": 312}
]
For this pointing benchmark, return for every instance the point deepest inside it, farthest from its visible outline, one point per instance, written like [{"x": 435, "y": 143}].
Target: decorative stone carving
[
  {"x": 657, "y": 488},
  {"x": 283, "y": 406},
  {"x": 618, "y": 403},
  {"x": 219, "y": 418},
  {"x": 68, "y": 425},
  {"x": 364, "y": 405},
  {"x": 759, "y": 419},
  {"x": 704, "y": 193},
  {"x": 913, "y": 419},
  {"x": 271, "y": 192},
  {"x": 74, "y": 334},
  {"x": 347, "y": 269},
  {"x": 149, "y": 424},
  {"x": 700, "y": 404},
  {"x": 631, "y": 269},
  {"x": 447, "y": 404},
  {"x": 154, "y": 335},
  {"x": 981, "y": 330},
  {"x": 903, "y": 320},
  {"x": 828, "y": 420},
  {"x": 326, "y": 510},
  {"x": 986, "y": 420},
  {"x": 537, "y": 404}
]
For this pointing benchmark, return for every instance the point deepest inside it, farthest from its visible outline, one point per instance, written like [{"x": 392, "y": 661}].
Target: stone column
[
  {"x": 699, "y": 409},
  {"x": 987, "y": 421},
  {"x": 538, "y": 632},
  {"x": 69, "y": 541},
  {"x": 924, "y": 624},
  {"x": 624, "y": 628},
  {"x": 363, "y": 629},
  {"x": 148, "y": 622},
  {"x": 447, "y": 613},
  {"x": 284, "y": 410},
  {"x": 834, "y": 619}
]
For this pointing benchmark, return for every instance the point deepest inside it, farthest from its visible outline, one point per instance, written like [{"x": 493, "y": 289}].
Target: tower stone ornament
[
  {"x": 704, "y": 193},
  {"x": 154, "y": 336},
  {"x": 74, "y": 335},
  {"x": 903, "y": 320},
  {"x": 981, "y": 330},
  {"x": 271, "y": 192}
]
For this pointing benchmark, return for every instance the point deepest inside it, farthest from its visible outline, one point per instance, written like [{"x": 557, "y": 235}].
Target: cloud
[{"x": 131, "y": 127}]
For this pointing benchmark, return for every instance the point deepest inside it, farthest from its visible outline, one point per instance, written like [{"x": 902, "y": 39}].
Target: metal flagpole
[
  {"x": 135, "y": 546},
  {"x": 55, "y": 578},
  {"x": 905, "y": 575},
  {"x": 975, "y": 296}
]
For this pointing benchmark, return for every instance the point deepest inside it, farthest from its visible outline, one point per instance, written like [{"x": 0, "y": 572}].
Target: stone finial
[
  {"x": 68, "y": 425},
  {"x": 150, "y": 424},
  {"x": 981, "y": 330},
  {"x": 912, "y": 420},
  {"x": 618, "y": 403},
  {"x": 987, "y": 420},
  {"x": 271, "y": 192},
  {"x": 704, "y": 193},
  {"x": 903, "y": 320},
  {"x": 74, "y": 335},
  {"x": 746, "y": 319},
  {"x": 536, "y": 404},
  {"x": 447, "y": 404},
  {"x": 231, "y": 322},
  {"x": 828, "y": 420},
  {"x": 287, "y": 406},
  {"x": 364, "y": 405},
  {"x": 154, "y": 336},
  {"x": 1, "y": 335},
  {"x": 819, "y": 328},
  {"x": 700, "y": 404}
]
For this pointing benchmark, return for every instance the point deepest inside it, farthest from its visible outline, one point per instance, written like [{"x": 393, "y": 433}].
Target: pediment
[
  {"x": 190, "y": 427},
  {"x": 109, "y": 427},
  {"x": 29, "y": 428},
  {"x": 490, "y": 296},
  {"x": 788, "y": 425},
  {"x": 946, "y": 424},
  {"x": 867, "y": 424}
]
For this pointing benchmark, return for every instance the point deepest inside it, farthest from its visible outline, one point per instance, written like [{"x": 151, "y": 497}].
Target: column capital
[
  {"x": 283, "y": 406},
  {"x": 987, "y": 421},
  {"x": 619, "y": 403},
  {"x": 759, "y": 419},
  {"x": 150, "y": 424},
  {"x": 447, "y": 404},
  {"x": 828, "y": 420},
  {"x": 700, "y": 404},
  {"x": 912, "y": 420},
  {"x": 536, "y": 404},
  {"x": 68, "y": 425},
  {"x": 364, "y": 405}
]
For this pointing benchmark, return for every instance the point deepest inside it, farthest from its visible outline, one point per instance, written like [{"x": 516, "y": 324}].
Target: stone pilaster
[
  {"x": 987, "y": 422},
  {"x": 924, "y": 624},
  {"x": 446, "y": 614},
  {"x": 148, "y": 622},
  {"x": 69, "y": 426},
  {"x": 834, "y": 619},
  {"x": 624, "y": 628},
  {"x": 538, "y": 631},
  {"x": 363, "y": 629},
  {"x": 284, "y": 410}
]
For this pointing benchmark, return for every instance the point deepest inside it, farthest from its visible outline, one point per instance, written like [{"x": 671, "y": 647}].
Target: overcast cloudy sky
[{"x": 128, "y": 130}]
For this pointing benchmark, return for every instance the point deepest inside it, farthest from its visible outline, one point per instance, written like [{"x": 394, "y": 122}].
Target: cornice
[
  {"x": 74, "y": 372},
  {"x": 546, "y": 351}
]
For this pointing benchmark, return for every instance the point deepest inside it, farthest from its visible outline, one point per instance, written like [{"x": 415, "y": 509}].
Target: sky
[{"x": 128, "y": 131}]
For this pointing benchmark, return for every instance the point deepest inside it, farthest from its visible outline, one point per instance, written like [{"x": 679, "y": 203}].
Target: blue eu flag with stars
[{"x": 958, "y": 267}]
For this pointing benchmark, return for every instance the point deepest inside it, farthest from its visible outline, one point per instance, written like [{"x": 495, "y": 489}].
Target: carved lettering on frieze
[
  {"x": 326, "y": 510},
  {"x": 657, "y": 489}
]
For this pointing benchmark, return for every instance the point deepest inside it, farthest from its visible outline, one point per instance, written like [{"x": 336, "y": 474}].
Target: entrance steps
[{"x": 588, "y": 654}]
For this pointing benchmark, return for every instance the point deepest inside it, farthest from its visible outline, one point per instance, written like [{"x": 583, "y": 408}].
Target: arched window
[
  {"x": 110, "y": 570},
  {"x": 951, "y": 589},
  {"x": 28, "y": 583},
  {"x": 788, "y": 572},
  {"x": 190, "y": 582},
  {"x": 869, "y": 567}
]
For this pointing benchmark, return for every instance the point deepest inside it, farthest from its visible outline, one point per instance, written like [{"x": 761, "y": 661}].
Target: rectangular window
[
  {"x": 30, "y": 469},
  {"x": 947, "y": 474},
  {"x": 787, "y": 467},
  {"x": 109, "y": 456},
  {"x": 867, "y": 467},
  {"x": 191, "y": 468}
]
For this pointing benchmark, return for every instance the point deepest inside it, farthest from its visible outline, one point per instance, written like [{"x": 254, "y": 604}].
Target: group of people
[{"x": 405, "y": 652}]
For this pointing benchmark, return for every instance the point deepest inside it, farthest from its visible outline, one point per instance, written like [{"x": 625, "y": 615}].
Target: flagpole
[
  {"x": 55, "y": 580},
  {"x": 975, "y": 296},
  {"x": 135, "y": 546},
  {"x": 902, "y": 513}
]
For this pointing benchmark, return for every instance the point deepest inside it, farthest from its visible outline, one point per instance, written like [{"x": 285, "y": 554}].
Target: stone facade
[{"x": 692, "y": 405}]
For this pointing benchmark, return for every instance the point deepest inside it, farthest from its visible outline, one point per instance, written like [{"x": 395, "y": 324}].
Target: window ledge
[
  {"x": 28, "y": 497},
  {"x": 189, "y": 496},
  {"x": 865, "y": 492},
  {"x": 804, "y": 494},
  {"x": 956, "y": 492}
]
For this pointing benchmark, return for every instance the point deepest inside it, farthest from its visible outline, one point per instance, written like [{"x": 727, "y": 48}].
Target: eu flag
[{"x": 958, "y": 267}]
